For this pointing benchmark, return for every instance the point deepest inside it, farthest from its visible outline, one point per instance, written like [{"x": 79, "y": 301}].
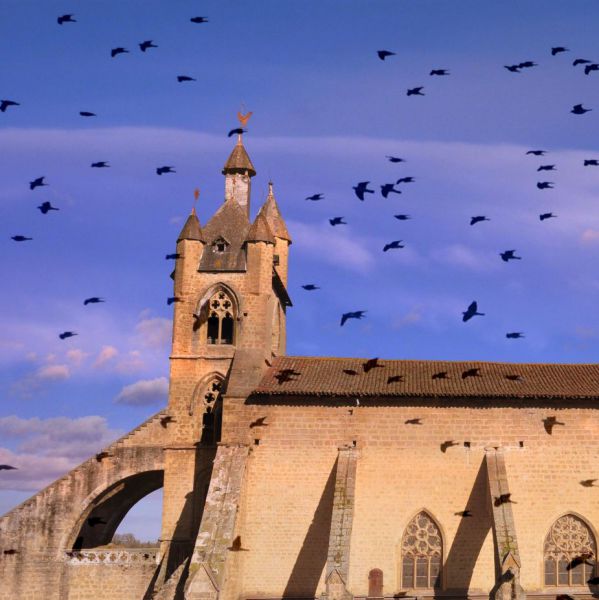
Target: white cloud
[
  {"x": 590, "y": 236},
  {"x": 76, "y": 356},
  {"x": 144, "y": 392},
  {"x": 105, "y": 355},
  {"x": 459, "y": 255},
  {"x": 53, "y": 372},
  {"x": 155, "y": 332}
]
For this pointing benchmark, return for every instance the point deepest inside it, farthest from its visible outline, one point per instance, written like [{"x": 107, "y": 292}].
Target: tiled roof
[
  {"x": 260, "y": 231},
  {"x": 315, "y": 376},
  {"x": 271, "y": 211},
  {"x": 191, "y": 230},
  {"x": 239, "y": 161}
]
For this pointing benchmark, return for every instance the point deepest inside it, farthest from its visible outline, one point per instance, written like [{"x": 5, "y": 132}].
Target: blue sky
[{"x": 326, "y": 113}]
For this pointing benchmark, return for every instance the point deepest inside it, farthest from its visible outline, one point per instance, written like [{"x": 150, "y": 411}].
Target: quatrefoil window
[{"x": 221, "y": 319}]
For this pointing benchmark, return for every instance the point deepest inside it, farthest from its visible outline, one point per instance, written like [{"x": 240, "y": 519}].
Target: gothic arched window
[
  {"x": 421, "y": 553},
  {"x": 569, "y": 552},
  {"x": 221, "y": 319},
  {"x": 212, "y": 415}
]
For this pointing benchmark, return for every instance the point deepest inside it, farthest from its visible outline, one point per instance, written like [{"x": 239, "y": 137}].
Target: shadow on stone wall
[{"x": 312, "y": 558}]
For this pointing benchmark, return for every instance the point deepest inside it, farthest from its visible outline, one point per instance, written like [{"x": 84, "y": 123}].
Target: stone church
[{"x": 319, "y": 477}]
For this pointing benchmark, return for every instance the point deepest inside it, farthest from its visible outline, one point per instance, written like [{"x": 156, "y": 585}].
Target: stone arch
[
  {"x": 569, "y": 536},
  {"x": 202, "y": 325},
  {"x": 206, "y": 403},
  {"x": 421, "y": 552},
  {"x": 104, "y": 509}
]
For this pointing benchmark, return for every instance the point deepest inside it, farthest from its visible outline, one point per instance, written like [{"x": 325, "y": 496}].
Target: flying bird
[
  {"x": 546, "y": 168},
  {"x": 480, "y": 218},
  {"x": 471, "y": 311},
  {"x": 405, "y": 180},
  {"x": 580, "y": 61},
  {"x": 93, "y": 300},
  {"x": 164, "y": 421},
  {"x": 4, "y": 104},
  {"x": 512, "y": 68},
  {"x": 146, "y": 45},
  {"x": 337, "y": 221},
  {"x": 65, "y": 19},
  {"x": 116, "y": 51},
  {"x": 165, "y": 169},
  {"x": 7, "y": 468},
  {"x": 591, "y": 162},
  {"x": 395, "y": 159},
  {"x": 371, "y": 363},
  {"x": 85, "y": 113},
  {"x": 172, "y": 256},
  {"x": 507, "y": 255},
  {"x": 537, "y": 152},
  {"x": 37, "y": 183},
  {"x": 439, "y": 72},
  {"x": 199, "y": 19},
  {"x": 393, "y": 245},
  {"x": 514, "y": 335},
  {"x": 361, "y": 189},
  {"x": 259, "y": 423},
  {"x": 463, "y": 513},
  {"x": 181, "y": 78},
  {"x": 358, "y": 314},
  {"x": 315, "y": 197},
  {"x": 402, "y": 217},
  {"x": 172, "y": 299},
  {"x": 547, "y": 216},
  {"x": 417, "y": 421},
  {"x": 591, "y": 67},
  {"x": 557, "y": 49},
  {"x": 527, "y": 64},
  {"x": 66, "y": 334},
  {"x": 474, "y": 372},
  {"x": 447, "y": 444},
  {"x": 417, "y": 91},
  {"x": 45, "y": 207},
  {"x": 588, "y": 482},
  {"x": 545, "y": 185},
  {"x": 310, "y": 287},
  {"x": 100, "y": 165},
  {"x": 578, "y": 109},
  {"x": 387, "y": 188},
  {"x": 383, "y": 54},
  {"x": 550, "y": 422},
  {"x": 237, "y": 130},
  {"x": 503, "y": 499},
  {"x": 20, "y": 238}
]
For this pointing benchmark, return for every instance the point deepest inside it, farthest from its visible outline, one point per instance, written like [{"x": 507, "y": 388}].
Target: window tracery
[
  {"x": 220, "y": 320},
  {"x": 421, "y": 551},
  {"x": 569, "y": 553},
  {"x": 212, "y": 415}
]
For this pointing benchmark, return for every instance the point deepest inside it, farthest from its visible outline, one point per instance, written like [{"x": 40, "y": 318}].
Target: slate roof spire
[
  {"x": 192, "y": 230},
  {"x": 270, "y": 210}
]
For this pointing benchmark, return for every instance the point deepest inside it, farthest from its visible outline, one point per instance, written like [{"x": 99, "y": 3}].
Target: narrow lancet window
[{"x": 221, "y": 319}]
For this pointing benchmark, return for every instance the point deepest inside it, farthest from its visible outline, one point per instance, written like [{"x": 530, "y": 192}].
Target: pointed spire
[
  {"x": 192, "y": 230},
  {"x": 270, "y": 210},
  {"x": 260, "y": 231},
  {"x": 239, "y": 161}
]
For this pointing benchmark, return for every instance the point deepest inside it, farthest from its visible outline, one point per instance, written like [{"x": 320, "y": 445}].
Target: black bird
[
  {"x": 66, "y": 334},
  {"x": 507, "y": 255},
  {"x": 395, "y": 159},
  {"x": 405, "y": 180},
  {"x": 310, "y": 287},
  {"x": 100, "y": 165},
  {"x": 546, "y": 168},
  {"x": 162, "y": 170},
  {"x": 387, "y": 188},
  {"x": 581, "y": 61},
  {"x": 474, "y": 372},
  {"x": 85, "y": 113},
  {"x": 237, "y": 130},
  {"x": 116, "y": 51},
  {"x": 588, "y": 482},
  {"x": 199, "y": 19},
  {"x": 537, "y": 152},
  {"x": 93, "y": 300},
  {"x": 315, "y": 197},
  {"x": 557, "y": 49},
  {"x": 439, "y": 72},
  {"x": 591, "y": 162},
  {"x": 361, "y": 189},
  {"x": 440, "y": 375},
  {"x": 4, "y": 104},
  {"x": 93, "y": 521},
  {"x": 417, "y": 421},
  {"x": 547, "y": 216},
  {"x": 475, "y": 220},
  {"x": 512, "y": 68},
  {"x": 172, "y": 299},
  {"x": 591, "y": 67},
  {"x": 37, "y": 183},
  {"x": 417, "y": 91},
  {"x": 181, "y": 78},
  {"x": 503, "y": 499},
  {"x": 164, "y": 421},
  {"x": 402, "y": 217},
  {"x": 471, "y": 311},
  {"x": 383, "y": 54},
  {"x": 45, "y": 207},
  {"x": 147, "y": 44},
  {"x": 578, "y": 109},
  {"x": 172, "y": 256},
  {"x": 66, "y": 19},
  {"x": 527, "y": 64},
  {"x": 337, "y": 221},
  {"x": 514, "y": 335},
  {"x": 7, "y": 468},
  {"x": 358, "y": 314},
  {"x": 463, "y": 513},
  {"x": 20, "y": 238},
  {"x": 550, "y": 422},
  {"x": 545, "y": 185},
  {"x": 371, "y": 363},
  {"x": 259, "y": 422},
  {"x": 448, "y": 444},
  {"x": 393, "y": 245}
]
